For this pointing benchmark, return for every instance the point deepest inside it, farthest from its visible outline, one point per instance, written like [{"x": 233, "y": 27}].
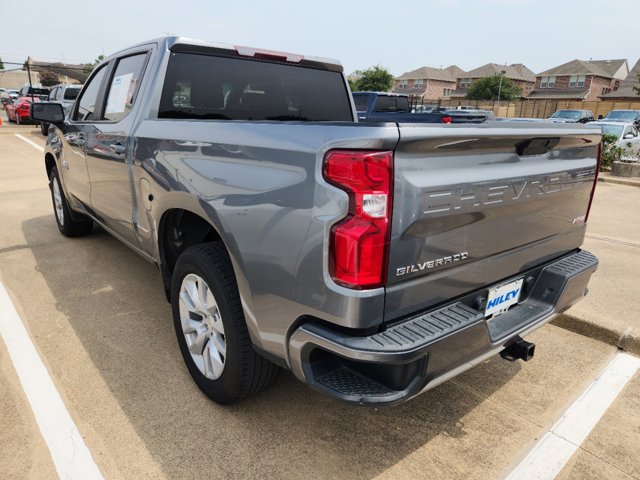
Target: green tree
[
  {"x": 99, "y": 59},
  {"x": 374, "y": 79},
  {"x": 637, "y": 87},
  {"x": 1, "y": 65},
  {"x": 487, "y": 88},
  {"x": 48, "y": 78}
]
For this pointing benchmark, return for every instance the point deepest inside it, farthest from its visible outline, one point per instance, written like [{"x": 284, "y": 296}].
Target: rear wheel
[
  {"x": 211, "y": 329},
  {"x": 69, "y": 226}
]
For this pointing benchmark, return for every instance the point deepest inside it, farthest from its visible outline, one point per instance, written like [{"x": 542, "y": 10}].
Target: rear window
[
  {"x": 392, "y": 104},
  {"x": 71, "y": 93},
  {"x": 208, "y": 87}
]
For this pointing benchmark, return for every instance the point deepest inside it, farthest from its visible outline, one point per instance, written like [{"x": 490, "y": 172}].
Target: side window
[
  {"x": 52, "y": 94},
  {"x": 87, "y": 104},
  {"x": 124, "y": 86}
]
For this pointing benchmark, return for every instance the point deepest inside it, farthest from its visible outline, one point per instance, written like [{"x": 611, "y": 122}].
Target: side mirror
[
  {"x": 600, "y": 117},
  {"x": 47, "y": 112},
  {"x": 629, "y": 136}
]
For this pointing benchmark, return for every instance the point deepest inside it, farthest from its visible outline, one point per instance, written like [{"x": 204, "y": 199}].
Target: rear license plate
[{"x": 502, "y": 297}]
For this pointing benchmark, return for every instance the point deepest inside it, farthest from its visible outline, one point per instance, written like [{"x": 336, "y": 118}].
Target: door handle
[{"x": 118, "y": 148}]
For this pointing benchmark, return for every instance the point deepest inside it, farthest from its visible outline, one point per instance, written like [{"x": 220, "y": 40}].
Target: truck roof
[{"x": 169, "y": 42}]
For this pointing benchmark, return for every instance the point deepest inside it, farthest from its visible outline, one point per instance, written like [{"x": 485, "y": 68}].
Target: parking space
[{"x": 97, "y": 315}]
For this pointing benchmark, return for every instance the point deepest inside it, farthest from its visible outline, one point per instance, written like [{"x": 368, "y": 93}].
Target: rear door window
[
  {"x": 220, "y": 88},
  {"x": 124, "y": 86}
]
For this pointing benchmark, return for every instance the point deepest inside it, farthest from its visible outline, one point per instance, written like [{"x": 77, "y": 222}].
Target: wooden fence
[{"x": 539, "y": 108}]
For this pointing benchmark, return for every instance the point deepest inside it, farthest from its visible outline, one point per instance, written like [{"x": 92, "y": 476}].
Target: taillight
[
  {"x": 446, "y": 119},
  {"x": 359, "y": 245},
  {"x": 595, "y": 181}
]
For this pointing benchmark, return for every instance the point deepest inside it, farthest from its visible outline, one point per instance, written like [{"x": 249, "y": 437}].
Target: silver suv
[{"x": 63, "y": 94}]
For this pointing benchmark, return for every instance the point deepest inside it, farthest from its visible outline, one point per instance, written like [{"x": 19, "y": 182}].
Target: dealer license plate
[{"x": 502, "y": 297}]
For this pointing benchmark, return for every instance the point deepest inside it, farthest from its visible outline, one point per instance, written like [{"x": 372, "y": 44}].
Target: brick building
[
  {"x": 520, "y": 76},
  {"x": 626, "y": 93},
  {"x": 428, "y": 83},
  {"x": 580, "y": 80}
]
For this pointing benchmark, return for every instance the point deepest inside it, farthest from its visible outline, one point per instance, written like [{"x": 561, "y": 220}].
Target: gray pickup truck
[{"x": 372, "y": 260}]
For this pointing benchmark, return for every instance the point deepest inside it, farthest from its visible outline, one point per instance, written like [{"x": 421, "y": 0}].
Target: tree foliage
[
  {"x": 374, "y": 79},
  {"x": 637, "y": 87},
  {"x": 1, "y": 64},
  {"x": 487, "y": 88},
  {"x": 48, "y": 78}
]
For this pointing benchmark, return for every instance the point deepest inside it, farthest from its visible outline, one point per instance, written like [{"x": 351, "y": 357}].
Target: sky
[{"x": 400, "y": 36}]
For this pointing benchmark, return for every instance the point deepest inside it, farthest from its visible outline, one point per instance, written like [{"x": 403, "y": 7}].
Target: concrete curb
[
  {"x": 628, "y": 341},
  {"x": 619, "y": 181}
]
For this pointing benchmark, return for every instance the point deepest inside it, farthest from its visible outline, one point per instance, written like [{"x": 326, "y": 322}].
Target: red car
[{"x": 18, "y": 111}]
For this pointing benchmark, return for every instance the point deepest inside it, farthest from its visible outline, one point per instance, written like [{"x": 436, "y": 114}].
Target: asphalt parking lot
[{"x": 97, "y": 316}]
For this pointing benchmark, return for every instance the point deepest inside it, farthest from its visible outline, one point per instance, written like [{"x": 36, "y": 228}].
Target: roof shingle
[
  {"x": 600, "y": 68},
  {"x": 447, "y": 74}
]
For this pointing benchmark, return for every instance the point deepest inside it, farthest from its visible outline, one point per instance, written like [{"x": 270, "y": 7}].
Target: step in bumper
[{"x": 427, "y": 349}]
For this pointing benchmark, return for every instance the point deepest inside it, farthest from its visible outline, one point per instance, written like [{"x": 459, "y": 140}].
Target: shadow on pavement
[{"x": 115, "y": 303}]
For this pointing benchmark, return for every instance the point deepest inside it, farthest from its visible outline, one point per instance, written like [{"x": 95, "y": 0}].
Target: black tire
[
  {"x": 44, "y": 128},
  {"x": 69, "y": 226},
  {"x": 245, "y": 373}
]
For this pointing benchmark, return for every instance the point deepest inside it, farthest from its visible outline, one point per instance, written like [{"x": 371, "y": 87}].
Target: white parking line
[
  {"x": 69, "y": 453},
  {"x": 30, "y": 142},
  {"x": 557, "y": 446}
]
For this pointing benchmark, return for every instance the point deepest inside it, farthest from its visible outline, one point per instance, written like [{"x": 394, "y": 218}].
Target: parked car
[
  {"x": 35, "y": 92},
  {"x": 627, "y": 135},
  {"x": 626, "y": 116},
  {"x": 572, "y": 116},
  {"x": 18, "y": 111},
  {"x": 373, "y": 260},
  {"x": 9, "y": 97},
  {"x": 65, "y": 95}
]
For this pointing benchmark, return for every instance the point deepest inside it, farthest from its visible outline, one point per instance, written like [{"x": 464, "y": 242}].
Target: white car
[{"x": 627, "y": 135}]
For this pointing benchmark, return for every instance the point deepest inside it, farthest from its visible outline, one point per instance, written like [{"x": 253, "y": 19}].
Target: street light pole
[{"x": 500, "y": 85}]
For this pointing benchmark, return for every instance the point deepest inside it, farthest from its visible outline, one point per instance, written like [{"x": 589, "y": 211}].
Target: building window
[
  {"x": 548, "y": 82},
  {"x": 465, "y": 82},
  {"x": 418, "y": 83},
  {"x": 402, "y": 84},
  {"x": 576, "y": 81}
]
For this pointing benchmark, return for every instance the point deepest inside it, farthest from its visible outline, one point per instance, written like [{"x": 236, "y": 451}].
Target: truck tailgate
[{"x": 475, "y": 205}]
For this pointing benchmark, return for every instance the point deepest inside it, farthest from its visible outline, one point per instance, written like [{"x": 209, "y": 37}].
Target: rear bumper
[{"x": 425, "y": 350}]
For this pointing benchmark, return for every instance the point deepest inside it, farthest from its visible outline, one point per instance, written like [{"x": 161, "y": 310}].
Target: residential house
[
  {"x": 428, "y": 83},
  {"x": 520, "y": 76},
  {"x": 626, "y": 93},
  {"x": 580, "y": 80}
]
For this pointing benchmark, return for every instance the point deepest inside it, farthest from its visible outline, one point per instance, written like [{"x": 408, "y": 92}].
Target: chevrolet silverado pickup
[{"x": 373, "y": 260}]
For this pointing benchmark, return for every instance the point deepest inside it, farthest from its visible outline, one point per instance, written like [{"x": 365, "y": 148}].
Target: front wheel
[
  {"x": 68, "y": 225},
  {"x": 44, "y": 128},
  {"x": 211, "y": 329}
]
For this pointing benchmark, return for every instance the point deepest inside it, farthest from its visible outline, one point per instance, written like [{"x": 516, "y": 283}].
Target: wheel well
[
  {"x": 179, "y": 230},
  {"x": 49, "y": 162}
]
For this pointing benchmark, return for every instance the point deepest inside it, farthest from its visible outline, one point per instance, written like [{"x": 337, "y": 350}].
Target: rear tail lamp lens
[{"x": 359, "y": 244}]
